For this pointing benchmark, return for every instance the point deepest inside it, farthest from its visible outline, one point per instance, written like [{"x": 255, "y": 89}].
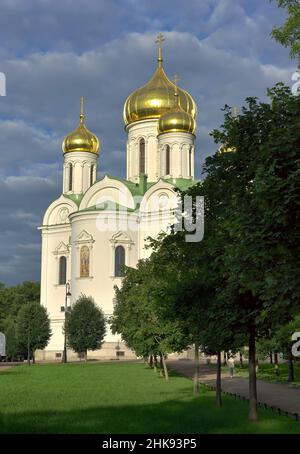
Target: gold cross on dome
[
  {"x": 160, "y": 39},
  {"x": 82, "y": 105},
  {"x": 81, "y": 110}
]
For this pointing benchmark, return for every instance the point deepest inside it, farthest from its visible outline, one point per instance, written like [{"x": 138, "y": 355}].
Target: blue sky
[{"x": 53, "y": 52}]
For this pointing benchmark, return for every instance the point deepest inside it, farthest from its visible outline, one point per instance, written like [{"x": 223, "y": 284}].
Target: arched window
[
  {"x": 92, "y": 175},
  {"x": 190, "y": 161},
  {"x": 142, "y": 156},
  {"x": 62, "y": 274},
  {"x": 119, "y": 261},
  {"x": 84, "y": 261},
  {"x": 70, "y": 177},
  {"x": 168, "y": 160}
]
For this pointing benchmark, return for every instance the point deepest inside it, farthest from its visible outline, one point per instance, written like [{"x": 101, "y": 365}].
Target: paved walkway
[{"x": 285, "y": 397}]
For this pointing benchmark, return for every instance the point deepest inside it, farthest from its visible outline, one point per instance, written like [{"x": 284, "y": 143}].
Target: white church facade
[{"x": 97, "y": 226}]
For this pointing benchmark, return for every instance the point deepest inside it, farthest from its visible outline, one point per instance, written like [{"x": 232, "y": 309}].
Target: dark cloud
[{"x": 54, "y": 52}]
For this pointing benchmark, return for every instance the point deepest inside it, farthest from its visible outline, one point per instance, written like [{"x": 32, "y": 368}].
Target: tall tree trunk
[
  {"x": 161, "y": 367},
  {"x": 218, "y": 381},
  {"x": 33, "y": 357},
  {"x": 155, "y": 363},
  {"x": 252, "y": 376},
  {"x": 241, "y": 360},
  {"x": 165, "y": 367},
  {"x": 291, "y": 367},
  {"x": 28, "y": 349},
  {"x": 225, "y": 359},
  {"x": 196, "y": 370},
  {"x": 276, "y": 364},
  {"x": 271, "y": 358},
  {"x": 151, "y": 361},
  {"x": 85, "y": 356}
]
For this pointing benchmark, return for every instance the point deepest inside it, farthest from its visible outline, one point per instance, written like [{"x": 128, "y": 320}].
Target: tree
[
  {"x": 12, "y": 346},
  {"x": 139, "y": 313},
  {"x": 32, "y": 328},
  {"x": 12, "y": 298},
  {"x": 260, "y": 192},
  {"x": 283, "y": 341},
  {"x": 85, "y": 326},
  {"x": 289, "y": 33}
]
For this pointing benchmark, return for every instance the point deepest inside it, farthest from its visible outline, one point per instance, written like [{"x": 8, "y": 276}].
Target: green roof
[
  {"x": 107, "y": 205},
  {"x": 134, "y": 188},
  {"x": 75, "y": 197},
  {"x": 181, "y": 183}
]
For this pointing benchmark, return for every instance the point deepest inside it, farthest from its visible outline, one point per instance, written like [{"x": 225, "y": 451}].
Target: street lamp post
[{"x": 65, "y": 310}]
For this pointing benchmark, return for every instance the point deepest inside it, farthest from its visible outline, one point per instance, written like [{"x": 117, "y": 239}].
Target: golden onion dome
[
  {"x": 225, "y": 149},
  {"x": 176, "y": 119},
  {"x": 81, "y": 139},
  {"x": 156, "y": 98}
]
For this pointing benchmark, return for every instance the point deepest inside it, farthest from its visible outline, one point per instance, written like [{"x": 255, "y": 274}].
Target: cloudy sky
[{"x": 52, "y": 52}]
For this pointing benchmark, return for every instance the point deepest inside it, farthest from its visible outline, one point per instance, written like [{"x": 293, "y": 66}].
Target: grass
[
  {"x": 267, "y": 372},
  {"x": 119, "y": 398}
]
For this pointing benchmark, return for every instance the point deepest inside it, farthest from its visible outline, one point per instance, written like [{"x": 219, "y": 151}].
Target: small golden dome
[
  {"x": 176, "y": 119},
  {"x": 155, "y": 98},
  {"x": 225, "y": 149},
  {"x": 81, "y": 139}
]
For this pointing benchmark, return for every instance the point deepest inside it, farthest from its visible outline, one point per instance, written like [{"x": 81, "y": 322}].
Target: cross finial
[
  {"x": 81, "y": 109},
  {"x": 176, "y": 79},
  {"x": 159, "y": 40}
]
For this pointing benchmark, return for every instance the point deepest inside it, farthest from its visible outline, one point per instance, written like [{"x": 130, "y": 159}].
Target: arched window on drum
[
  {"x": 62, "y": 272},
  {"x": 142, "y": 167},
  {"x": 92, "y": 175},
  {"x": 190, "y": 161},
  {"x": 168, "y": 160},
  {"x": 70, "y": 177},
  {"x": 119, "y": 261}
]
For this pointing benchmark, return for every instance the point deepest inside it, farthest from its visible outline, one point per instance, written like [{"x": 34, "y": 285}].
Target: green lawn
[
  {"x": 118, "y": 398},
  {"x": 267, "y": 372}
]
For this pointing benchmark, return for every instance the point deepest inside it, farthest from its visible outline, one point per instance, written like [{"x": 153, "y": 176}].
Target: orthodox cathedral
[{"x": 97, "y": 226}]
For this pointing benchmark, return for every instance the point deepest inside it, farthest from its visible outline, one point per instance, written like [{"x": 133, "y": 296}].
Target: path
[{"x": 285, "y": 397}]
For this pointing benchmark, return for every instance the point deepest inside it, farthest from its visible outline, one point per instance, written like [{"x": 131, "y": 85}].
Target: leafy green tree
[
  {"x": 32, "y": 328},
  {"x": 85, "y": 326},
  {"x": 265, "y": 348},
  {"x": 191, "y": 289},
  {"x": 12, "y": 346},
  {"x": 283, "y": 341},
  {"x": 289, "y": 33},
  {"x": 12, "y": 298},
  {"x": 139, "y": 314},
  {"x": 259, "y": 187}
]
